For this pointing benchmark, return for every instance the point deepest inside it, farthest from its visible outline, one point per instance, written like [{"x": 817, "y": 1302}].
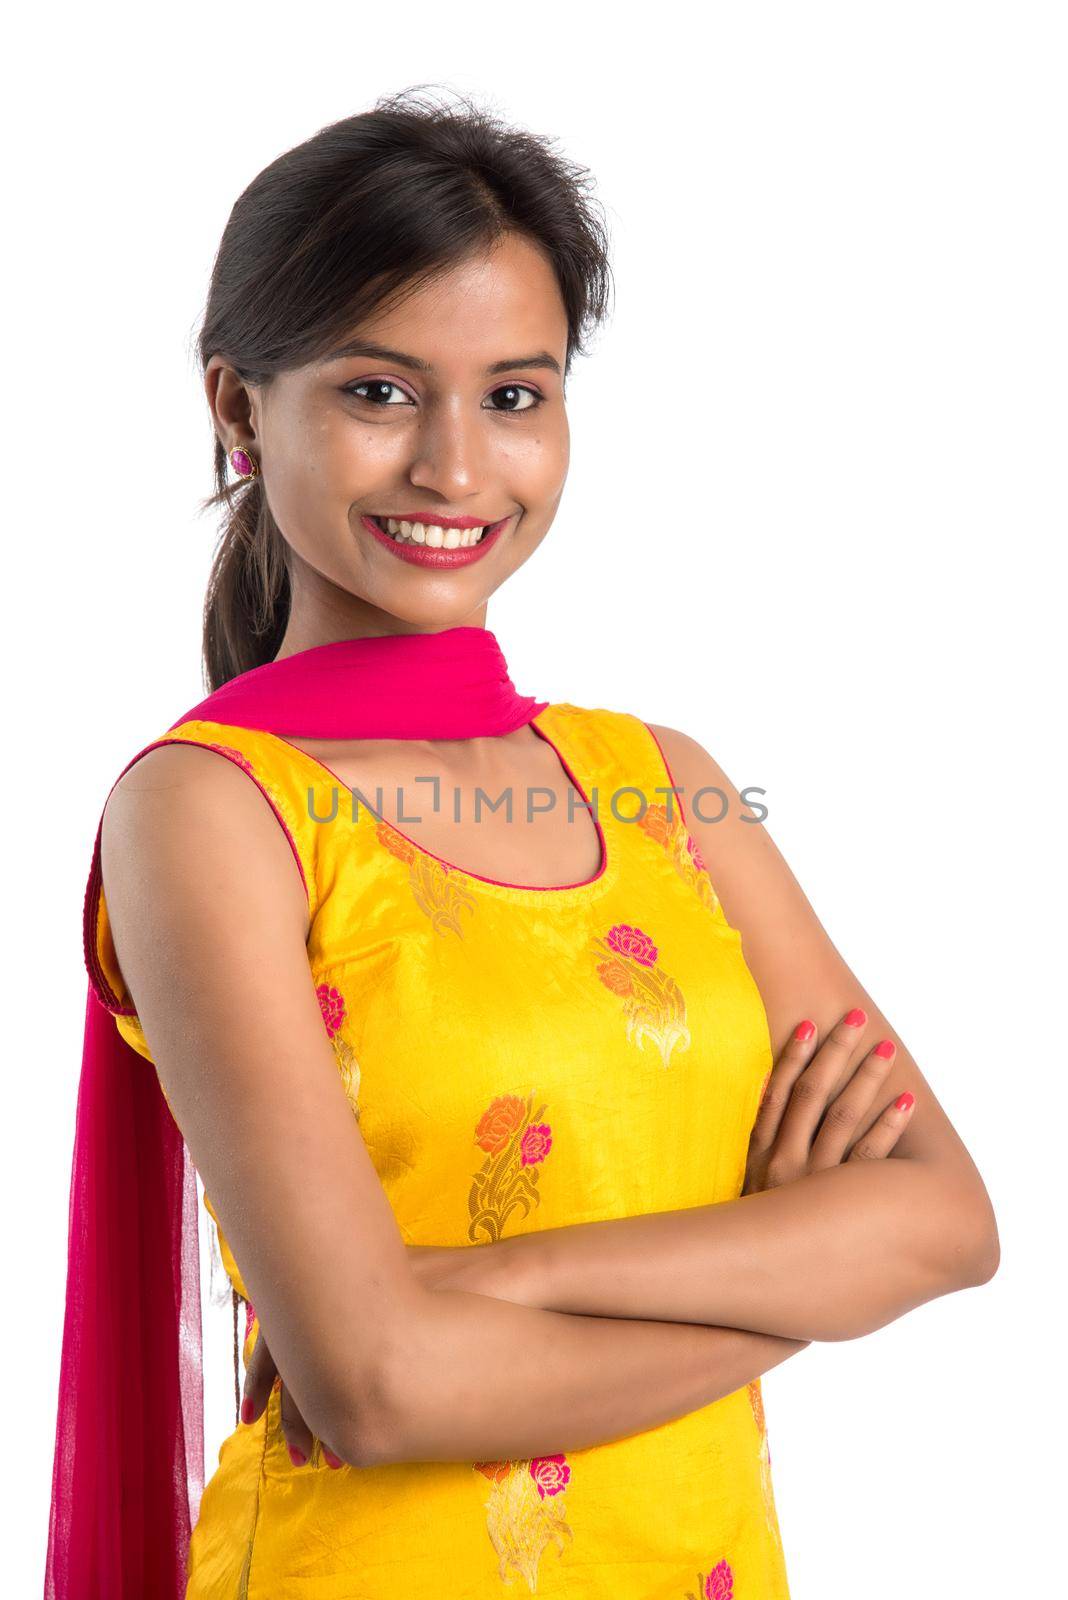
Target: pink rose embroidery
[
  {"x": 719, "y": 1585},
  {"x": 552, "y": 1475},
  {"x": 536, "y": 1143},
  {"x": 332, "y": 1005},
  {"x": 632, "y": 942}
]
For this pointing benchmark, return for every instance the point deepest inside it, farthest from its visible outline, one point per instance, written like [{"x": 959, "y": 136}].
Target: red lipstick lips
[{"x": 422, "y": 555}]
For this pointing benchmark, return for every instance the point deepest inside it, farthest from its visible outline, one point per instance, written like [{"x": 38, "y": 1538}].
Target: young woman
[{"x": 537, "y": 1111}]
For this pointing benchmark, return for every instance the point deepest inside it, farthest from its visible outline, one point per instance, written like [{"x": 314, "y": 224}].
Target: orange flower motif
[
  {"x": 397, "y": 846},
  {"x": 497, "y": 1125},
  {"x": 516, "y": 1143},
  {"x": 655, "y": 822},
  {"x": 614, "y": 976},
  {"x": 671, "y": 833}
]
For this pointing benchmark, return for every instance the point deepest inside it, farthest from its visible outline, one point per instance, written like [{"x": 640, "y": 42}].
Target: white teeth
[{"x": 426, "y": 533}]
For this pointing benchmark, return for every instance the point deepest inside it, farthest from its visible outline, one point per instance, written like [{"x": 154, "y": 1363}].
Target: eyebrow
[{"x": 381, "y": 352}]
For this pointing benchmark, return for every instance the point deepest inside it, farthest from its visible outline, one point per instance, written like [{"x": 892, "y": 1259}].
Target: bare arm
[
  {"x": 820, "y": 1258},
  {"x": 210, "y": 924},
  {"x": 834, "y": 1254}
]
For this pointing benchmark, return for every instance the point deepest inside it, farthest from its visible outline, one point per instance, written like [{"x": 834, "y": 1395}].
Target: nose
[{"x": 451, "y": 452}]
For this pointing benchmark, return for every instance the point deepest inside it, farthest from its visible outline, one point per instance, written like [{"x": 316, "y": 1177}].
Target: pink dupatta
[{"x": 128, "y": 1470}]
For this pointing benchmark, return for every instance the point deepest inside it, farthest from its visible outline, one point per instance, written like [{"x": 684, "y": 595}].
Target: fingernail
[
  {"x": 856, "y": 1018},
  {"x": 247, "y": 1409},
  {"x": 331, "y": 1459},
  {"x": 903, "y": 1101},
  {"x": 297, "y": 1457},
  {"x": 804, "y": 1030},
  {"x": 885, "y": 1048}
]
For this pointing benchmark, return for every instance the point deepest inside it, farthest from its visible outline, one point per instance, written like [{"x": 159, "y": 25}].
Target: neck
[{"x": 329, "y": 623}]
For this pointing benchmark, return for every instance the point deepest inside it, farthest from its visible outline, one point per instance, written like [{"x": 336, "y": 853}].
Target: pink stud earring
[{"x": 243, "y": 463}]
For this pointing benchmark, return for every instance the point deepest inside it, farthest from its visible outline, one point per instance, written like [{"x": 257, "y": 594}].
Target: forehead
[{"x": 500, "y": 307}]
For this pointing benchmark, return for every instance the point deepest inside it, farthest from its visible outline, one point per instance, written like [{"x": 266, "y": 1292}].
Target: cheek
[{"x": 544, "y": 461}]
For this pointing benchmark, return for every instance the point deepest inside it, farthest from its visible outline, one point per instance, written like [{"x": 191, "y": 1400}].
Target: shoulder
[
  {"x": 174, "y": 783},
  {"x": 750, "y": 876},
  {"x": 706, "y": 791},
  {"x": 184, "y": 811}
]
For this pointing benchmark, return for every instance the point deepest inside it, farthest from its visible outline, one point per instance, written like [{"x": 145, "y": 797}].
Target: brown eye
[
  {"x": 375, "y": 384},
  {"x": 515, "y": 390}
]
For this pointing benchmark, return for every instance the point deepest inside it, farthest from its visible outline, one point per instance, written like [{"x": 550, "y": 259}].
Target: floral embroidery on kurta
[
  {"x": 686, "y": 858},
  {"x": 332, "y": 1006},
  {"x": 653, "y": 1003},
  {"x": 228, "y": 750},
  {"x": 516, "y": 1143},
  {"x": 437, "y": 890},
  {"x": 525, "y": 1512},
  {"x": 718, "y": 1585},
  {"x": 756, "y": 1400}
]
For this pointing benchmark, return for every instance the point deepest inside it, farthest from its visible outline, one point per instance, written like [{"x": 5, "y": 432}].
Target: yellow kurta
[{"x": 517, "y": 1058}]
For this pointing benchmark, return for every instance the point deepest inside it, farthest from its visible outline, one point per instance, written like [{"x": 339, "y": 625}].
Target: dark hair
[{"x": 367, "y": 208}]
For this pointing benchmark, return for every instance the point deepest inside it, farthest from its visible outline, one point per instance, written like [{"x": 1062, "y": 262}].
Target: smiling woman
[
  {"x": 522, "y": 1171},
  {"x": 417, "y": 442}
]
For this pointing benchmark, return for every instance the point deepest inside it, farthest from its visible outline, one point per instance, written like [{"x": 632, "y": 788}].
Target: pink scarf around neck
[{"x": 128, "y": 1469}]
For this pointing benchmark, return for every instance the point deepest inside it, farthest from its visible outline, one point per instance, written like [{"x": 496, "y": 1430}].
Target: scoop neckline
[{"x": 500, "y": 888}]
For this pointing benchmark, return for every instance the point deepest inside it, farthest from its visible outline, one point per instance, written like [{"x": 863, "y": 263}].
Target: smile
[{"x": 428, "y": 544}]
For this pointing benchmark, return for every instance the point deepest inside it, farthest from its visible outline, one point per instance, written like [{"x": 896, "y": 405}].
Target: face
[{"x": 457, "y": 415}]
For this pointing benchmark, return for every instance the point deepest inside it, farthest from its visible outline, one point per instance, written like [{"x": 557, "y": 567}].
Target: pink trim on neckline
[{"x": 479, "y": 877}]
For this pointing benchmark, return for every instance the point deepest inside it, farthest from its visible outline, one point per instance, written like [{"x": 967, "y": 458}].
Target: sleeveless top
[{"x": 564, "y": 1055}]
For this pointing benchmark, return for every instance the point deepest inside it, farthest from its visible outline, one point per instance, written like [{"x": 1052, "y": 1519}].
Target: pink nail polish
[
  {"x": 331, "y": 1459},
  {"x": 804, "y": 1030},
  {"x": 247, "y": 1408},
  {"x": 297, "y": 1457},
  {"x": 904, "y": 1101},
  {"x": 856, "y": 1018},
  {"x": 885, "y": 1049}
]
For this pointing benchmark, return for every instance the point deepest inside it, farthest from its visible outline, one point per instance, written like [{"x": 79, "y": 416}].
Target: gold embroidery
[
  {"x": 682, "y": 850},
  {"x": 437, "y": 890},
  {"x": 653, "y": 1003},
  {"x": 516, "y": 1144},
  {"x": 525, "y": 1512}
]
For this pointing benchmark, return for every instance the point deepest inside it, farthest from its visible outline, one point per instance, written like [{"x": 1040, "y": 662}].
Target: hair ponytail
[{"x": 247, "y": 605}]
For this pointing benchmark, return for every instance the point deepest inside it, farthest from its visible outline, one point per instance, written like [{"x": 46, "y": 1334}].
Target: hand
[
  {"x": 800, "y": 1129},
  {"x": 261, "y": 1376}
]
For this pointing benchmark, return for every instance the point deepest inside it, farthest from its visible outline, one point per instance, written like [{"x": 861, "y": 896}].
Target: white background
[{"x": 815, "y": 511}]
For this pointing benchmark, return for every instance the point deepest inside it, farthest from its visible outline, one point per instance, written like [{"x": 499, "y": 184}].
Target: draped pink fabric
[{"x": 128, "y": 1469}]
